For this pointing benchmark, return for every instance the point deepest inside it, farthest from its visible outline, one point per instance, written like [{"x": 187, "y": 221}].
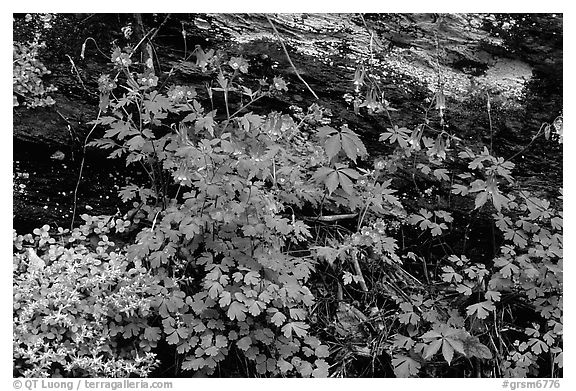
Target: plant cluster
[
  {"x": 80, "y": 308},
  {"x": 27, "y": 77},
  {"x": 28, "y": 87}
]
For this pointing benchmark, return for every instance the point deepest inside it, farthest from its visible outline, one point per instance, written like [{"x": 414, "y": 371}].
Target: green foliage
[
  {"x": 80, "y": 308},
  {"x": 215, "y": 203},
  {"x": 264, "y": 243},
  {"x": 28, "y": 88}
]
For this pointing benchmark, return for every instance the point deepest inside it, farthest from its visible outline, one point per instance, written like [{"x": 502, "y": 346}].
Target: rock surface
[{"x": 516, "y": 60}]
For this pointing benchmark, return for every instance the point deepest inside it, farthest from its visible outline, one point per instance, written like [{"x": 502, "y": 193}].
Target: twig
[
  {"x": 289, "y": 59},
  {"x": 159, "y": 27},
  {"x": 95, "y": 44},
  {"x": 489, "y": 119},
  {"x": 72, "y": 135},
  {"x": 529, "y": 144},
  {"x": 79, "y": 77},
  {"x": 86, "y": 18},
  {"x": 332, "y": 218},
  {"x": 82, "y": 169},
  {"x": 358, "y": 271}
]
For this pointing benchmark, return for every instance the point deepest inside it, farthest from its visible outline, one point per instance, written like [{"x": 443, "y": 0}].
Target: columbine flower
[{"x": 239, "y": 63}]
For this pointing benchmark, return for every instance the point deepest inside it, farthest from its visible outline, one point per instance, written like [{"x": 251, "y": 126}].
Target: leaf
[
  {"x": 352, "y": 145},
  {"x": 256, "y": 308},
  {"x": 221, "y": 341},
  {"x": 278, "y": 318},
  {"x": 214, "y": 289},
  {"x": 447, "y": 351},
  {"x": 326, "y": 131},
  {"x": 402, "y": 341},
  {"x": 328, "y": 253},
  {"x": 432, "y": 349},
  {"x": 537, "y": 346},
  {"x": 459, "y": 189},
  {"x": 474, "y": 348},
  {"x": 480, "y": 199},
  {"x": 455, "y": 341},
  {"x": 284, "y": 365},
  {"x": 409, "y": 318},
  {"x": 152, "y": 333},
  {"x": 493, "y": 296},
  {"x": 225, "y": 299},
  {"x": 322, "y": 351},
  {"x": 424, "y": 168},
  {"x": 405, "y": 366},
  {"x": 135, "y": 143},
  {"x": 559, "y": 359},
  {"x": 507, "y": 267},
  {"x": 244, "y": 343},
  {"x": 297, "y": 314},
  {"x": 252, "y": 278},
  {"x": 465, "y": 289},
  {"x": 345, "y": 183},
  {"x": 332, "y": 182},
  {"x": 436, "y": 229},
  {"x": 193, "y": 364},
  {"x": 480, "y": 309},
  {"x": 499, "y": 200},
  {"x": 450, "y": 275},
  {"x": 441, "y": 174},
  {"x": 173, "y": 338},
  {"x": 396, "y": 134},
  {"x": 237, "y": 311},
  {"x": 321, "y": 369},
  {"x": 333, "y": 146},
  {"x": 299, "y": 328}
]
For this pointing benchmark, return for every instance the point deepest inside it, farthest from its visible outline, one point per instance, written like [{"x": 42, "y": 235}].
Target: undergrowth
[{"x": 270, "y": 244}]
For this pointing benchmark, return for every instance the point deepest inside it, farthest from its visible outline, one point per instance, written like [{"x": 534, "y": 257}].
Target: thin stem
[
  {"x": 489, "y": 119},
  {"x": 81, "y": 170},
  {"x": 95, "y": 44},
  {"x": 361, "y": 220},
  {"x": 78, "y": 74},
  {"x": 289, "y": 59},
  {"x": 529, "y": 144}
]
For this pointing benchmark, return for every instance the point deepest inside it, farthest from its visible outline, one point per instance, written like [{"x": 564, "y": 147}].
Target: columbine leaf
[
  {"x": 321, "y": 369},
  {"x": 322, "y": 351},
  {"x": 252, "y": 278},
  {"x": 256, "y": 308},
  {"x": 152, "y": 333},
  {"x": 244, "y": 343},
  {"x": 481, "y": 310},
  {"x": 225, "y": 299},
  {"x": 237, "y": 311},
  {"x": 441, "y": 174},
  {"x": 278, "y": 318},
  {"x": 297, "y": 314},
  {"x": 493, "y": 296},
  {"x": 284, "y": 365},
  {"x": 193, "y": 364},
  {"x": 299, "y": 328}
]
